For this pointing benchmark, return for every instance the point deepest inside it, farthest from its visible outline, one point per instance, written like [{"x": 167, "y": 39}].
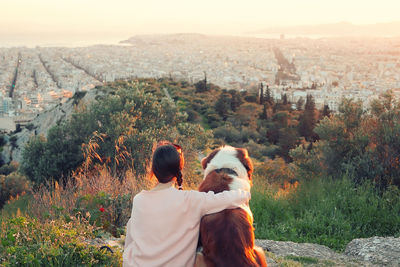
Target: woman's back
[
  {"x": 164, "y": 230},
  {"x": 164, "y": 225}
]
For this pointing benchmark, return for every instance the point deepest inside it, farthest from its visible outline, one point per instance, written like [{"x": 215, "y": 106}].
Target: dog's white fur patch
[
  {"x": 227, "y": 158},
  {"x": 239, "y": 183}
]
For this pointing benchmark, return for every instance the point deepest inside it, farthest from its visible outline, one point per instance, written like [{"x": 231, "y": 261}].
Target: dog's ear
[
  {"x": 244, "y": 158},
  {"x": 206, "y": 160}
]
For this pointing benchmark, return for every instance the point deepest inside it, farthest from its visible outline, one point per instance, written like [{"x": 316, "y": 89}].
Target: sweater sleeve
[
  {"x": 127, "y": 254},
  {"x": 211, "y": 203}
]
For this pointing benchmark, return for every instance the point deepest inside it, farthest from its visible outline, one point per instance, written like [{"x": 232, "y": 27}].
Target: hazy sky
[{"x": 166, "y": 16}]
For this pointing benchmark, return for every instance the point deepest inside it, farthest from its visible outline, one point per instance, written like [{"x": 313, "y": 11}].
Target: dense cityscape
[{"x": 35, "y": 79}]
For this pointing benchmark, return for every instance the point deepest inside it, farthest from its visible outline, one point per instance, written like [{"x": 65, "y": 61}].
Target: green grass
[
  {"x": 283, "y": 261},
  {"x": 21, "y": 204},
  {"x": 326, "y": 212},
  {"x": 303, "y": 260},
  {"x": 27, "y": 242}
]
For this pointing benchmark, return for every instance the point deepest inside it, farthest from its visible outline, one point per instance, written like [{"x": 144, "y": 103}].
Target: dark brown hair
[{"x": 167, "y": 163}]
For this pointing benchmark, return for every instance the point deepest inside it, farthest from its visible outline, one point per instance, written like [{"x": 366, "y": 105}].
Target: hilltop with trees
[{"x": 319, "y": 177}]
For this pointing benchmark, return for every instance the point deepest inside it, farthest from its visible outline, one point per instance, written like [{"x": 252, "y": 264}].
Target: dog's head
[{"x": 229, "y": 157}]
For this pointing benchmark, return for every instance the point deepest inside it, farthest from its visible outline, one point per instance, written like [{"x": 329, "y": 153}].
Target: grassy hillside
[{"x": 310, "y": 179}]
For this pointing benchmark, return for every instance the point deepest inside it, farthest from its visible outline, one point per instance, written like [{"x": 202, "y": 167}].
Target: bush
[
  {"x": 78, "y": 96},
  {"x": 106, "y": 211},
  {"x": 27, "y": 242},
  {"x": 2, "y": 140},
  {"x": 102, "y": 199},
  {"x": 251, "y": 98},
  {"x": 275, "y": 171},
  {"x": 257, "y": 151},
  {"x": 11, "y": 186},
  {"x": 193, "y": 116},
  {"x": 13, "y": 140},
  {"x": 8, "y": 168},
  {"x": 30, "y": 126},
  {"x": 228, "y": 133}
]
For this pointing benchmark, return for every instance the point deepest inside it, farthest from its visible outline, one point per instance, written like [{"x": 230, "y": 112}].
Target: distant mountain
[
  {"x": 162, "y": 38},
  {"x": 338, "y": 29}
]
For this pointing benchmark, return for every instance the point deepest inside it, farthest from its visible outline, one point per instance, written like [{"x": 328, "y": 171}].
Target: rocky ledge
[
  {"x": 369, "y": 252},
  {"x": 384, "y": 251},
  {"x": 374, "y": 251}
]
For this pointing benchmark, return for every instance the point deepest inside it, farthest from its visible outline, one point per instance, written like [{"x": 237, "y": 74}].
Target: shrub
[
  {"x": 13, "y": 140},
  {"x": 228, "y": 133},
  {"x": 257, "y": 151},
  {"x": 30, "y": 126},
  {"x": 202, "y": 86},
  {"x": 275, "y": 171},
  {"x": 193, "y": 116},
  {"x": 11, "y": 186},
  {"x": 78, "y": 96},
  {"x": 27, "y": 242},
  {"x": 86, "y": 194},
  {"x": 251, "y": 98},
  {"x": 8, "y": 168},
  {"x": 2, "y": 140}
]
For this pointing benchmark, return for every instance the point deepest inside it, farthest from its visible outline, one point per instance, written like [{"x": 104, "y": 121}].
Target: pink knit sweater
[{"x": 164, "y": 226}]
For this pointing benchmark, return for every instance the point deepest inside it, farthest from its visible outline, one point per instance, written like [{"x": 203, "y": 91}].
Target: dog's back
[{"x": 227, "y": 237}]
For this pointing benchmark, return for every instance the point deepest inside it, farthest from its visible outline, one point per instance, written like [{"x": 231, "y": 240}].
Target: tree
[
  {"x": 299, "y": 104},
  {"x": 117, "y": 131},
  {"x": 358, "y": 144},
  {"x": 223, "y": 105},
  {"x": 264, "y": 114},
  {"x": 33, "y": 166},
  {"x": 202, "y": 86},
  {"x": 261, "y": 94},
  {"x": 308, "y": 120},
  {"x": 326, "y": 112},
  {"x": 284, "y": 99},
  {"x": 268, "y": 96},
  {"x": 287, "y": 141},
  {"x": 236, "y": 100}
]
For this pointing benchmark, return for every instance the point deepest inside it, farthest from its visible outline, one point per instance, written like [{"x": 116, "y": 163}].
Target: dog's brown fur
[{"x": 227, "y": 237}]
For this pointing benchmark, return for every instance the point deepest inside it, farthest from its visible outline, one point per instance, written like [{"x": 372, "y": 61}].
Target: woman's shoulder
[
  {"x": 194, "y": 194},
  {"x": 139, "y": 195}
]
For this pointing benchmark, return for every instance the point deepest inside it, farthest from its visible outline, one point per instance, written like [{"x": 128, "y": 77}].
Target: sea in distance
[
  {"x": 65, "y": 40},
  {"x": 73, "y": 40}
]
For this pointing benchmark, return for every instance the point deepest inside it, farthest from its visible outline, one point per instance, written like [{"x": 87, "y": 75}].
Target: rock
[
  {"x": 282, "y": 248},
  {"x": 321, "y": 254},
  {"x": 42, "y": 123},
  {"x": 271, "y": 263},
  {"x": 384, "y": 251}
]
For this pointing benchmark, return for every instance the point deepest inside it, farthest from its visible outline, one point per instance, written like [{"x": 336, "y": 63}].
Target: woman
[{"x": 164, "y": 226}]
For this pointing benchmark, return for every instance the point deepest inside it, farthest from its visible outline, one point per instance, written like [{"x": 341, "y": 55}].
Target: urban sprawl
[{"x": 35, "y": 79}]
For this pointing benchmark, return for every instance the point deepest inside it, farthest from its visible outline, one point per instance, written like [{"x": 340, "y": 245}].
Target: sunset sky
[{"x": 167, "y": 16}]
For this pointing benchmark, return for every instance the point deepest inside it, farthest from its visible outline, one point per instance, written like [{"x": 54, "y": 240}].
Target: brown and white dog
[{"x": 227, "y": 237}]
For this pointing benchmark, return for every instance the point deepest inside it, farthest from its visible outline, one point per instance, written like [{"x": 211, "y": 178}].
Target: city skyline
[
  {"x": 35, "y": 79},
  {"x": 122, "y": 19}
]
